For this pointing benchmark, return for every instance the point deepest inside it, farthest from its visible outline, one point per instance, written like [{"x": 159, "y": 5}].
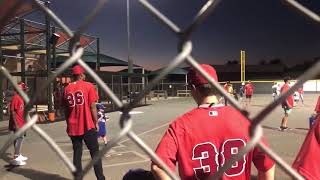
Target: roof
[
  {"x": 21, "y": 9},
  {"x": 105, "y": 60},
  {"x": 175, "y": 71}
]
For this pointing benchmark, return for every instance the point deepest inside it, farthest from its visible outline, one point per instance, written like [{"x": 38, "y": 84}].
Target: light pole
[{"x": 130, "y": 63}]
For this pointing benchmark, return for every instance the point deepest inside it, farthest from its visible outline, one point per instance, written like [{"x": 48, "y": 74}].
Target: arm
[
  {"x": 93, "y": 110},
  {"x": 166, "y": 151},
  {"x": 268, "y": 175},
  {"x": 13, "y": 114}
]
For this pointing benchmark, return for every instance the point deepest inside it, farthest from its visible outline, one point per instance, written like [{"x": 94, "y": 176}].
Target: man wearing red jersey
[
  {"x": 248, "y": 90},
  {"x": 317, "y": 108},
  {"x": 16, "y": 122},
  {"x": 287, "y": 105},
  {"x": 203, "y": 139},
  {"x": 307, "y": 160},
  {"x": 81, "y": 113}
]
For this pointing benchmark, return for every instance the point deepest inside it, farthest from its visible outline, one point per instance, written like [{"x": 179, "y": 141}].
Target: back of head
[
  {"x": 286, "y": 79},
  {"x": 77, "y": 71},
  {"x": 138, "y": 174},
  {"x": 22, "y": 86},
  {"x": 100, "y": 106},
  {"x": 198, "y": 81}
]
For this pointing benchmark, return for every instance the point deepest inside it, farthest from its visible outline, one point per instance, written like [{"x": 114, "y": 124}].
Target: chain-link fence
[{"x": 184, "y": 55}]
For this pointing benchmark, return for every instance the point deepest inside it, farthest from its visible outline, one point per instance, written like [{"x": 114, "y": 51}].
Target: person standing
[
  {"x": 241, "y": 90},
  {"x": 196, "y": 139},
  {"x": 274, "y": 91},
  {"x": 102, "y": 120},
  {"x": 300, "y": 91},
  {"x": 287, "y": 105},
  {"x": 248, "y": 89},
  {"x": 16, "y": 122},
  {"x": 80, "y": 99},
  {"x": 317, "y": 108}
]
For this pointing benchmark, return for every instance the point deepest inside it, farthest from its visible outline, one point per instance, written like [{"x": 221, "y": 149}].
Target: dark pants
[{"x": 90, "y": 138}]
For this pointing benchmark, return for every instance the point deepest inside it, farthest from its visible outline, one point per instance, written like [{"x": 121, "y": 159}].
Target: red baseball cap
[
  {"x": 76, "y": 70},
  {"x": 195, "y": 78},
  {"x": 22, "y": 86}
]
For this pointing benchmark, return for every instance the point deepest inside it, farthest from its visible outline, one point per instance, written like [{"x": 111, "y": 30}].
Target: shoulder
[{"x": 87, "y": 84}]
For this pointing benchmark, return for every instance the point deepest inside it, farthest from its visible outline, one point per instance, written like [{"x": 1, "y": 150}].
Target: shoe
[
  {"x": 282, "y": 128},
  {"x": 17, "y": 162},
  {"x": 21, "y": 158}
]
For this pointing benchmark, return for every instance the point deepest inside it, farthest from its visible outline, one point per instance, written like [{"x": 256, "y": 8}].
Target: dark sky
[{"x": 266, "y": 29}]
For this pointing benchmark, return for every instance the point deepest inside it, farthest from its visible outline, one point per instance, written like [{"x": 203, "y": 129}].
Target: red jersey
[
  {"x": 203, "y": 139},
  {"x": 226, "y": 87},
  {"x": 290, "y": 99},
  {"x": 17, "y": 106},
  {"x": 307, "y": 160},
  {"x": 248, "y": 88},
  {"x": 78, "y": 97},
  {"x": 317, "y": 109}
]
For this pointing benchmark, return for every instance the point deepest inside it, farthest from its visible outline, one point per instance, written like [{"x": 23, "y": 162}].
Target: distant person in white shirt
[{"x": 275, "y": 90}]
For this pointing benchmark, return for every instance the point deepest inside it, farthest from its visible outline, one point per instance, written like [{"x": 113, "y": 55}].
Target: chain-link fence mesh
[{"x": 184, "y": 55}]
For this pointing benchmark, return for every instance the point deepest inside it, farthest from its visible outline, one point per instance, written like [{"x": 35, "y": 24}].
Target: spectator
[
  {"x": 274, "y": 90},
  {"x": 197, "y": 138},
  {"x": 287, "y": 105},
  {"x": 16, "y": 122},
  {"x": 81, "y": 114},
  {"x": 300, "y": 91},
  {"x": 138, "y": 174},
  {"x": 307, "y": 160},
  {"x": 241, "y": 90},
  {"x": 248, "y": 89}
]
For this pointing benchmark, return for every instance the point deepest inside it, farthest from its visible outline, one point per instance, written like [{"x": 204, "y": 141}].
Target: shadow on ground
[
  {"x": 35, "y": 174},
  {"x": 302, "y": 131},
  {"x": 28, "y": 173}
]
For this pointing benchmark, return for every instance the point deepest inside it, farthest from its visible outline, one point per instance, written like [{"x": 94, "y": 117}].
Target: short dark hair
[
  {"x": 286, "y": 79},
  {"x": 207, "y": 90}
]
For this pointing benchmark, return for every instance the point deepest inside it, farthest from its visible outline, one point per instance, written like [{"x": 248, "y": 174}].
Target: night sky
[{"x": 265, "y": 29}]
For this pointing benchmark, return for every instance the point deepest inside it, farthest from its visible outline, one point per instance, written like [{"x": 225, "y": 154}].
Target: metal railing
[{"x": 184, "y": 55}]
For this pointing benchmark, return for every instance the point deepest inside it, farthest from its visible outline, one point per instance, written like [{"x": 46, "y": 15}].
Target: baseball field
[{"x": 149, "y": 122}]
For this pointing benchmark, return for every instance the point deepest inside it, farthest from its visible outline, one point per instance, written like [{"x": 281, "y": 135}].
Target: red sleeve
[
  {"x": 307, "y": 160},
  {"x": 168, "y": 148},
  {"x": 261, "y": 160},
  {"x": 93, "y": 96},
  {"x": 317, "y": 109}
]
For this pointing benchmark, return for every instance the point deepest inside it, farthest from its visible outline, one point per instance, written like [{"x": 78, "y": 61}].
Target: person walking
[{"x": 80, "y": 100}]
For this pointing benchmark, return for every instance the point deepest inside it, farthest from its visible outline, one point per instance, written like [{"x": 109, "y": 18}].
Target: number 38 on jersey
[
  {"x": 211, "y": 159},
  {"x": 75, "y": 98}
]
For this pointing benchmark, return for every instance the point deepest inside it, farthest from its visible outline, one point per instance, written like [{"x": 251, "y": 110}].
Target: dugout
[{"x": 172, "y": 82}]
